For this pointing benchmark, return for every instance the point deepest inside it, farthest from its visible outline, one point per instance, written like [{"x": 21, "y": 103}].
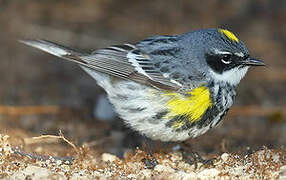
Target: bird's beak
[{"x": 252, "y": 62}]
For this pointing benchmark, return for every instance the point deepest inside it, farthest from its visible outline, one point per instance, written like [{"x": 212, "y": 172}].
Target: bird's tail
[
  {"x": 56, "y": 50},
  {"x": 72, "y": 55}
]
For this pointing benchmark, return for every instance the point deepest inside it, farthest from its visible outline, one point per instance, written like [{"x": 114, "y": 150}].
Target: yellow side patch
[
  {"x": 178, "y": 124},
  {"x": 194, "y": 105},
  {"x": 229, "y": 35}
]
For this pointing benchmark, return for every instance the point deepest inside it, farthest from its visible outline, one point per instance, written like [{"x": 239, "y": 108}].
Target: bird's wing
[{"x": 124, "y": 61}]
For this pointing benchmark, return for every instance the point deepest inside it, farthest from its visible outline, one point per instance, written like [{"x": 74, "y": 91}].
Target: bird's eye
[{"x": 226, "y": 58}]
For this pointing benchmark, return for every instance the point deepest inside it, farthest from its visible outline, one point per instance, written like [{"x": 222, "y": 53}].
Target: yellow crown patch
[{"x": 228, "y": 34}]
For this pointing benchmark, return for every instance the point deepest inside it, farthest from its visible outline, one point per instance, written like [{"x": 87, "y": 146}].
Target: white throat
[{"x": 232, "y": 76}]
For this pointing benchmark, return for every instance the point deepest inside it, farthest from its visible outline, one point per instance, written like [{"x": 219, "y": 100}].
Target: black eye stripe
[
  {"x": 222, "y": 62},
  {"x": 245, "y": 57}
]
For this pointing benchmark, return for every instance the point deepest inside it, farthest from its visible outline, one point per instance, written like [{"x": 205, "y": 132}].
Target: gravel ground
[{"x": 261, "y": 164}]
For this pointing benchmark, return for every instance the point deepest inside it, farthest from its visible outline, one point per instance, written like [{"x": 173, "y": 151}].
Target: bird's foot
[
  {"x": 150, "y": 162},
  {"x": 194, "y": 158}
]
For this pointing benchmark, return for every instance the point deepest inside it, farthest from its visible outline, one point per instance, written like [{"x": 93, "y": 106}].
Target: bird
[{"x": 166, "y": 87}]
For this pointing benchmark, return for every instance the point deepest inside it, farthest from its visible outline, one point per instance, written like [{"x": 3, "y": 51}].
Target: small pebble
[
  {"x": 108, "y": 157},
  {"x": 282, "y": 172},
  {"x": 224, "y": 157},
  {"x": 208, "y": 173},
  {"x": 162, "y": 168}
]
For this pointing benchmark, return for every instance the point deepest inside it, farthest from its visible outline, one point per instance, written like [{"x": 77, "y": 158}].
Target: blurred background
[{"x": 40, "y": 94}]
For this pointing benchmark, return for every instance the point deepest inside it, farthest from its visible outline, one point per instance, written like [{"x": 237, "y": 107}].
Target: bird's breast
[{"x": 201, "y": 107}]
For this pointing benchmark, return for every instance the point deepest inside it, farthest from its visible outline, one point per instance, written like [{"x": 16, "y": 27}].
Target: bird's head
[{"x": 226, "y": 57}]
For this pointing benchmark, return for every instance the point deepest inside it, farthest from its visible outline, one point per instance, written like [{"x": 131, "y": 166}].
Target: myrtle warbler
[{"x": 168, "y": 88}]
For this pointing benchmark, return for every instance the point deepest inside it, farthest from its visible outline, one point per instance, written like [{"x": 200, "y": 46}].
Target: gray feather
[{"x": 112, "y": 60}]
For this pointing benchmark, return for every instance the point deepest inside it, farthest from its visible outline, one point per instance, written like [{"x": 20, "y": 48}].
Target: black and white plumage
[{"x": 155, "y": 84}]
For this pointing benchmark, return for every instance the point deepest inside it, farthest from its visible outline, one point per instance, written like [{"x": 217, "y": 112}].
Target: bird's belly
[
  {"x": 145, "y": 110},
  {"x": 138, "y": 105}
]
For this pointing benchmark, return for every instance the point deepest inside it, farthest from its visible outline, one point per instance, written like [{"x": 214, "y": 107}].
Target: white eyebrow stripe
[
  {"x": 240, "y": 54},
  {"x": 221, "y": 52}
]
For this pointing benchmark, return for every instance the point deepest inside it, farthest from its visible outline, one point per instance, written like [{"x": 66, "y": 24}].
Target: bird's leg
[
  {"x": 150, "y": 161},
  {"x": 192, "y": 157}
]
